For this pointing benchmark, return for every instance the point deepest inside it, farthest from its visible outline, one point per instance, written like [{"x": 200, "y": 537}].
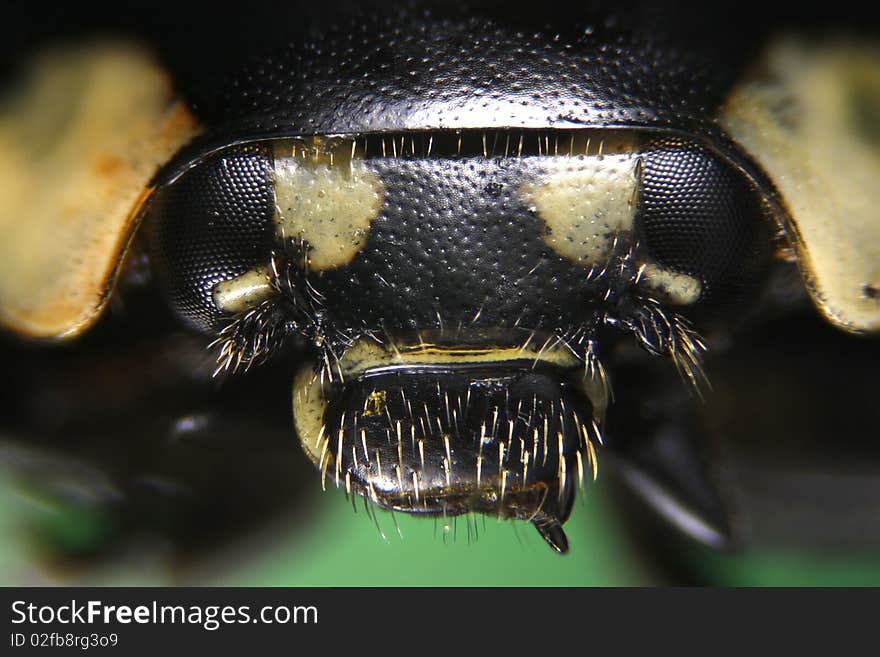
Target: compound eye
[
  {"x": 211, "y": 226},
  {"x": 699, "y": 217}
]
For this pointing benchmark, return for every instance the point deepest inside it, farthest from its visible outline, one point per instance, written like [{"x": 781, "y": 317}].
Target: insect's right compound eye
[
  {"x": 210, "y": 226},
  {"x": 702, "y": 218}
]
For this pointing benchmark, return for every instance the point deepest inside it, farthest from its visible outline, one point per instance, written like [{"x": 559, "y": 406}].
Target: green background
[{"x": 338, "y": 547}]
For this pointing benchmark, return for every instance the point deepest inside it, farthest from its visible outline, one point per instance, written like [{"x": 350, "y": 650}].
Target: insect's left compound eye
[
  {"x": 211, "y": 226},
  {"x": 216, "y": 231},
  {"x": 701, "y": 219}
]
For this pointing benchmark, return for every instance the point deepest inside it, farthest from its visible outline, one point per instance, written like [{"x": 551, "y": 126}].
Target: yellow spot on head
[
  {"x": 244, "y": 292},
  {"x": 679, "y": 289},
  {"x": 329, "y": 201},
  {"x": 584, "y": 203}
]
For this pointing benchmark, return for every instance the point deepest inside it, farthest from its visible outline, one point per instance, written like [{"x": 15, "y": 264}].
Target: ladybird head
[{"x": 458, "y": 292}]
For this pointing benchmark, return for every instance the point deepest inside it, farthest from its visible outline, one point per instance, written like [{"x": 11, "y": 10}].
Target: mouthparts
[{"x": 453, "y": 431}]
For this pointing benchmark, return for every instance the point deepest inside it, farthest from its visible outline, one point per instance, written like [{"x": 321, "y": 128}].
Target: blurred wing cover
[
  {"x": 810, "y": 115},
  {"x": 80, "y": 137}
]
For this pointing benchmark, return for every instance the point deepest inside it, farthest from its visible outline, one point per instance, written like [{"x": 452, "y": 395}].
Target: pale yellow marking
[
  {"x": 375, "y": 403},
  {"x": 810, "y": 116},
  {"x": 679, "y": 289},
  {"x": 308, "y": 412},
  {"x": 244, "y": 292},
  {"x": 329, "y": 201},
  {"x": 79, "y": 141},
  {"x": 365, "y": 355},
  {"x": 585, "y": 202}
]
